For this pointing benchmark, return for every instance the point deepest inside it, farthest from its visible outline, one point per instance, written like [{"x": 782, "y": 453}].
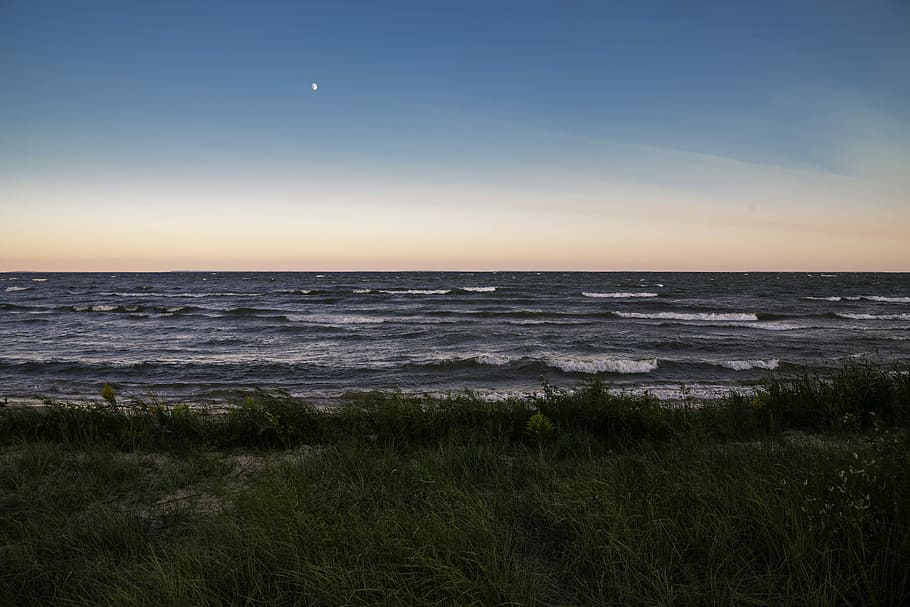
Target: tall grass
[
  {"x": 581, "y": 497},
  {"x": 861, "y": 396}
]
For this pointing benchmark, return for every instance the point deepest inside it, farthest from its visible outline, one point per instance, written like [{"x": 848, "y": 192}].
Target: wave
[
  {"x": 496, "y": 360},
  {"x": 468, "y": 361},
  {"x": 335, "y": 319},
  {"x": 618, "y": 295},
  {"x": 295, "y": 291},
  {"x": 254, "y": 313},
  {"x": 709, "y": 316},
  {"x": 9, "y": 306},
  {"x": 171, "y": 310},
  {"x": 548, "y": 321},
  {"x": 602, "y": 365},
  {"x": 106, "y": 308},
  {"x": 873, "y": 316},
  {"x": 39, "y": 279},
  {"x": 774, "y": 326},
  {"x": 479, "y": 289},
  {"x": 744, "y": 365},
  {"x": 361, "y": 291},
  {"x": 183, "y": 295},
  {"x": 566, "y": 364},
  {"x": 876, "y": 298},
  {"x": 12, "y": 289},
  {"x": 419, "y": 292}
]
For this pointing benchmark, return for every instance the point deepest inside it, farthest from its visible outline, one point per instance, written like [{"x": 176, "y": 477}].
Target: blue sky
[{"x": 608, "y": 131}]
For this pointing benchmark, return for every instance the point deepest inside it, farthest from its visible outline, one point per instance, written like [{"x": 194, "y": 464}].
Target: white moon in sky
[{"x": 315, "y": 86}]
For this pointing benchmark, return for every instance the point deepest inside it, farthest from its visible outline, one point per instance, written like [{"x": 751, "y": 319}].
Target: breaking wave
[
  {"x": 876, "y": 298},
  {"x": 744, "y": 365},
  {"x": 874, "y": 316},
  {"x": 619, "y": 295},
  {"x": 602, "y": 365},
  {"x": 710, "y": 316},
  {"x": 419, "y": 292}
]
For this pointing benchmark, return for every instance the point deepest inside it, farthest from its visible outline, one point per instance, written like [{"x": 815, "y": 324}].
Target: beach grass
[{"x": 796, "y": 495}]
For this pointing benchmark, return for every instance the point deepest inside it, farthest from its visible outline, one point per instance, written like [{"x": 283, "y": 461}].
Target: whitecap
[
  {"x": 618, "y": 295},
  {"x": 335, "y": 319},
  {"x": 874, "y": 316},
  {"x": 773, "y": 326},
  {"x": 361, "y": 291},
  {"x": 744, "y": 365},
  {"x": 496, "y": 360},
  {"x": 710, "y": 316},
  {"x": 602, "y": 365},
  {"x": 479, "y": 289},
  {"x": 875, "y": 298},
  {"x": 39, "y": 279},
  {"x": 11, "y": 289},
  {"x": 547, "y": 321},
  {"x": 419, "y": 292}
]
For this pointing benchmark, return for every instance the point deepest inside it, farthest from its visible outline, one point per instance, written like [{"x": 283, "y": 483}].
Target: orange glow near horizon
[{"x": 775, "y": 221}]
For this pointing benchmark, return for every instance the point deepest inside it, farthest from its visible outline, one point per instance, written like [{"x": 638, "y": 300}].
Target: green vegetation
[{"x": 797, "y": 495}]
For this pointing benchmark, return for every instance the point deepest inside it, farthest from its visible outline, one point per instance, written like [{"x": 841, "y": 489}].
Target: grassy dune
[{"x": 797, "y": 495}]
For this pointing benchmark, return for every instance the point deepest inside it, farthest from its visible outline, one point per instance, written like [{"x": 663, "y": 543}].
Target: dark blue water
[{"x": 198, "y": 335}]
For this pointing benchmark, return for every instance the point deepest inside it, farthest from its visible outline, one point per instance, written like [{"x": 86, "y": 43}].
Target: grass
[{"x": 795, "y": 496}]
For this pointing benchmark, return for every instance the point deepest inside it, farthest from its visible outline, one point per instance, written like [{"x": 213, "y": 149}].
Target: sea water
[{"x": 202, "y": 335}]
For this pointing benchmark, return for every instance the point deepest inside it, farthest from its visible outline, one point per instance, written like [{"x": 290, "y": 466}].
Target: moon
[{"x": 315, "y": 86}]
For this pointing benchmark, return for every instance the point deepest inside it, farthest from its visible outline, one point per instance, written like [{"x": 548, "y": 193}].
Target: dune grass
[{"x": 794, "y": 496}]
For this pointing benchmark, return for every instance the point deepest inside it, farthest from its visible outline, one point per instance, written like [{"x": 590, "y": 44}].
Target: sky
[{"x": 713, "y": 136}]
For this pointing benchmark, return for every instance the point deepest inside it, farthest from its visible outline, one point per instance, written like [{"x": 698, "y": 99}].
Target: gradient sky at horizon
[{"x": 454, "y": 135}]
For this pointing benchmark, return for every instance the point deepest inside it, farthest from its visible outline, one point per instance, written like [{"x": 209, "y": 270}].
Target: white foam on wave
[
  {"x": 335, "y": 319},
  {"x": 744, "y": 365},
  {"x": 100, "y": 308},
  {"x": 419, "y": 292},
  {"x": 39, "y": 279},
  {"x": 709, "y": 316},
  {"x": 602, "y": 365},
  {"x": 774, "y": 326},
  {"x": 10, "y": 289},
  {"x": 876, "y": 298},
  {"x": 361, "y": 291},
  {"x": 496, "y": 360},
  {"x": 618, "y": 295},
  {"x": 182, "y": 295},
  {"x": 547, "y": 321},
  {"x": 479, "y": 289},
  {"x": 874, "y": 316}
]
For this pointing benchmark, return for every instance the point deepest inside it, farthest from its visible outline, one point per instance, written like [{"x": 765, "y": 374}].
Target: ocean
[{"x": 200, "y": 336}]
